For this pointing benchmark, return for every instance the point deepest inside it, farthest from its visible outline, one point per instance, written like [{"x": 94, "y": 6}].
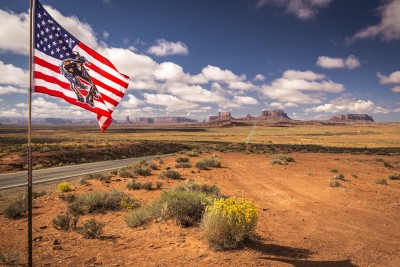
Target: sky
[{"x": 311, "y": 58}]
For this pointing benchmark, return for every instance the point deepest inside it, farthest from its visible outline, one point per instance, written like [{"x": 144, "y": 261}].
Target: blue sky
[{"x": 311, "y": 58}]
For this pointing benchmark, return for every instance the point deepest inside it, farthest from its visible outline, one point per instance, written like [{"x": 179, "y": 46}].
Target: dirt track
[{"x": 303, "y": 221}]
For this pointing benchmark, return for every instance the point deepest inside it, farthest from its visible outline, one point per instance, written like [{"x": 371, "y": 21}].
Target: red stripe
[
  {"x": 108, "y": 88},
  {"x": 110, "y": 100},
  {"x": 46, "y": 64},
  {"x": 105, "y": 124},
  {"x": 51, "y": 79},
  {"x": 45, "y": 90},
  {"x": 97, "y": 56},
  {"x": 106, "y": 75}
]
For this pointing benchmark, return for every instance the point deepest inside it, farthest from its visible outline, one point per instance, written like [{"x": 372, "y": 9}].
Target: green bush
[
  {"x": 147, "y": 185},
  {"x": 334, "y": 183},
  {"x": 129, "y": 203},
  {"x": 193, "y": 153},
  {"x": 99, "y": 176},
  {"x": 9, "y": 259},
  {"x": 159, "y": 184},
  {"x": 183, "y": 165},
  {"x": 334, "y": 170},
  {"x": 153, "y": 166},
  {"x": 64, "y": 187},
  {"x": 68, "y": 197},
  {"x": 339, "y": 177},
  {"x": 227, "y": 222},
  {"x": 182, "y": 159},
  {"x": 169, "y": 174},
  {"x": 191, "y": 186},
  {"x": 133, "y": 185},
  {"x": 207, "y": 163},
  {"x": 141, "y": 216},
  {"x": 92, "y": 229},
  {"x": 64, "y": 221},
  {"x": 17, "y": 207},
  {"x": 126, "y": 172}
]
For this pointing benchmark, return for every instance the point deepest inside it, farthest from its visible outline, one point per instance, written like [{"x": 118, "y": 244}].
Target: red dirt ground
[{"x": 302, "y": 220}]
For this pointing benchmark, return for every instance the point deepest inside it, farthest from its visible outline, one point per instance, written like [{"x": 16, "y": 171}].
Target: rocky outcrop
[
  {"x": 162, "y": 120},
  {"x": 222, "y": 116},
  {"x": 352, "y": 117},
  {"x": 274, "y": 115},
  {"x": 248, "y": 117}
]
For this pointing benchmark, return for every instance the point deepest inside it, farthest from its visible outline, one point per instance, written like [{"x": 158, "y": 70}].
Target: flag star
[
  {"x": 41, "y": 42},
  {"x": 57, "y": 35},
  {"x": 45, "y": 39},
  {"x": 39, "y": 16},
  {"x": 58, "y": 49},
  {"x": 65, "y": 35},
  {"x": 38, "y": 45},
  {"x": 54, "y": 43},
  {"x": 53, "y": 28},
  {"x": 60, "y": 41},
  {"x": 64, "y": 48},
  {"x": 50, "y": 21},
  {"x": 58, "y": 29},
  {"x": 73, "y": 41},
  {"x": 49, "y": 45},
  {"x": 61, "y": 56},
  {"x": 47, "y": 30},
  {"x": 38, "y": 35},
  {"x": 41, "y": 32},
  {"x": 44, "y": 49},
  {"x": 52, "y": 52},
  {"x": 43, "y": 23},
  {"x": 67, "y": 54},
  {"x": 38, "y": 25}
]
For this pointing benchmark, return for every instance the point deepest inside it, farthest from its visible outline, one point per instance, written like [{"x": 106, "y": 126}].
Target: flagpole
[{"x": 30, "y": 238}]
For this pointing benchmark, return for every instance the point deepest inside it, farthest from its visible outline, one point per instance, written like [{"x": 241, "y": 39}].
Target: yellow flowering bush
[
  {"x": 64, "y": 187},
  {"x": 226, "y": 222}
]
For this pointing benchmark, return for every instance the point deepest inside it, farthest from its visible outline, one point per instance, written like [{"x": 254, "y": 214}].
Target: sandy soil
[{"x": 302, "y": 220}]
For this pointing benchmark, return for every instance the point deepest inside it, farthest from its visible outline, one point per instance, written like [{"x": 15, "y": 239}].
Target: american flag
[{"x": 66, "y": 68}]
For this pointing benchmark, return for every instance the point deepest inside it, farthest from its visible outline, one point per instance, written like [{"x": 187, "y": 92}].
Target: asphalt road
[{"x": 10, "y": 180}]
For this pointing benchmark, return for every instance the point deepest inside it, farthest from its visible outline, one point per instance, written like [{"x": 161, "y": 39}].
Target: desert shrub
[
  {"x": 191, "y": 186},
  {"x": 182, "y": 159},
  {"x": 282, "y": 160},
  {"x": 126, "y": 173},
  {"x": 185, "y": 207},
  {"x": 395, "y": 176},
  {"x": 98, "y": 176},
  {"x": 64, "y": 221},
  {"x": 159, "y": 184},
  {"x": 92, "y": 229},
  {"x": 172, "y": 174},
  {"x": 36, "y": 194},
  {"x": 128, "y": 203},
  {"x": 193, "y": 153},
  {"x": 17, "y": 207},
  {"x": 153, "y": 166},
  {"x": 183, "y": 165},
  {"x": 97, "y": 201},
  {"x": 114, "y": 172},
  {"x": 381, "y": 181},
  {"x": 207, "y": 163},
  {"x": 64, "y": 187},
  {"x": 387, "y": 164},
  {"x": 147, "y": 185},
  {"x": 339, "y": 177},
  {"x": 334, "y": 183},
  {"x": 141, "y": 168},
  {"x": 133, "y": 185},
  {"x": 227, "y": 222},
  {"x": 67, "y": 197},
  {"x": 9, "y": 259},
  {"x": 334, "y": 170},
  {"x": 140, "y": 216}
]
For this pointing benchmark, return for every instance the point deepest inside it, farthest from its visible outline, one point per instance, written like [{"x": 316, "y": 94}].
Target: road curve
[{"x": 10, "y": 180}]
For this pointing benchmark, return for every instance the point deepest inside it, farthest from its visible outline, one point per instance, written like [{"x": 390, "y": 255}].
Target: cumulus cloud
[
  {"x": 396, "y": 89},
  {"x": 349, "y": 105},
  {"x": 168, "y": 71},
  {"x": 14, "y": 29},
  {"x": 301, "y": 87},
  {"x": 245, "y": 100},
  {"x": 132, "y": 101},
  {"x": 389, "y": 26},
  {"x": 11, "y": 75},
  {"x": 171, "y": 103},
  {"x": 351, "y": 62},
  {"x": 165, "y": 48},
  {"x": 4, "y": 90},
  {"x": 393, "y": 78},
  {"x": 302, "y": 9},
  {"x": 259, "y": 77},
  {"x": 195, "y": 93}
]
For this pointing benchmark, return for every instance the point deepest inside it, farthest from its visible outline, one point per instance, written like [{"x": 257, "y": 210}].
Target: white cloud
[
  {"x": 302, "y": 9},
  {"x": 389, "y": 26},
  {"x": 351, "y": 62},
  {"x": 245, "y": 100},
  {"x": 4, "y": 90},
  {"x": 396, "y": 89},
  {"x": 14, "y": 32},
  {"x": 302, "y": 75},
  {"x": 106, "y": 35},
  {"x": 280, "y": 105},
  {"x": 195, "y": 93},
  {"x": 169, "y": 71},
  {"x": 239, "y": 85},
  {"x": 301, "y": 87},
  {"x": 165, "y": 48},
  {"x": 171, "y": 103},
  {"x": 349, "y": 105},
  {"x": 213, "y": 73},
  {"x": 259, "y": 77},
  {"x": 132, "y": 102},
  {"x": 394, "y": 77},
  {"x": 11, "y": 75}
]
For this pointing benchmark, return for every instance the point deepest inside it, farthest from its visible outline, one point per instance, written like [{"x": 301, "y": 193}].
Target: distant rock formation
[
  {"x": 55, "y": 120},
  {"x": 352, "y": 117},
  {"x": 222, "y": 116},
  {"x": 248, "y": 117},
  {"x": 127, "y": 120},
  {"x": 274, "y": 115}
]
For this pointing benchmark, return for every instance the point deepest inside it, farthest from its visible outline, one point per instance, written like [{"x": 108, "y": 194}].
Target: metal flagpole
[{"x": 30, "y": 252}]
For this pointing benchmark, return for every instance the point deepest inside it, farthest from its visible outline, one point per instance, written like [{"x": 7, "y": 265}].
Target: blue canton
[{"x": 50, "y": 37}]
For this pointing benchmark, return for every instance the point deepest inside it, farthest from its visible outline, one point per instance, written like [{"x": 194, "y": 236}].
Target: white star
[
  {"x": 67, "y": 54},
  {"x": 41, "y": 32},
  {"x": 43, "y": 23},
  {"x": 38, "y": 25},
  {"x": 58, "y": 29},
  {"x": 54, "y": 43},
  {"x": 47, "y": 30},
  {"x": 61, "y": 56},
  {"x": 64, "y": 48},
  {"x": 50, "y": 21},
  {"x": 49, "y": 45},
  {"x": 58, "y": 49},
  {"x": 57, "y": 35},
  {"x": 52, "y": 52},
  {"x": 45, "y": 39},
  {"x": 39, "y": 16}
]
